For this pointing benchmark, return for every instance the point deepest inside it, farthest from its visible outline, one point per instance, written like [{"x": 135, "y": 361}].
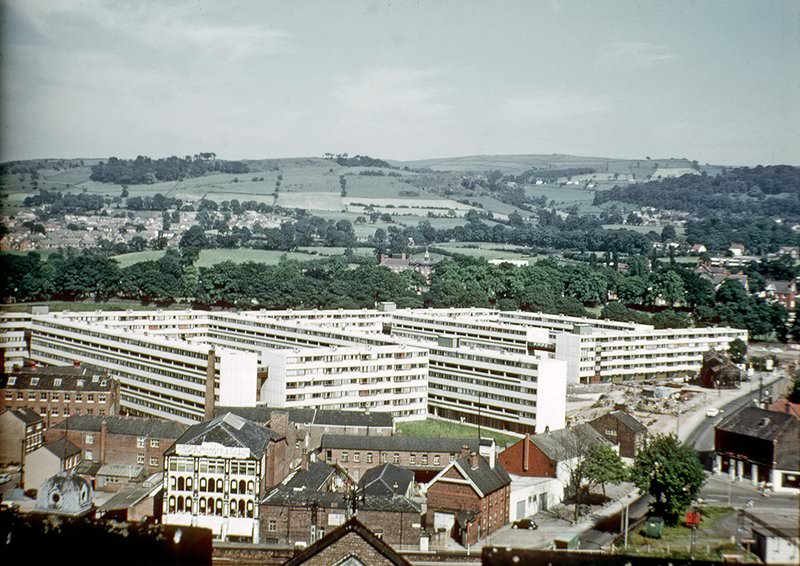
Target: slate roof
[
  {"x": 312, "y": 479},
  {"x": 382, "y": 480},
  {"x": 629, "y": 422},
  {"x": 355, "y": 527},
  {"x": 26, "y": 415},
  {"x": 229, "y": 430},
  {"x": 128, "y": 497},
  {"x": 398, "y": 443},
  {"x": 486, "y": 478},
  {"x": 62, "y": 448},
  {"x": 68, "y": 378},
  {"x": 757, "y": 423},
  {"x": 564, "y": 444},
  {"x": 313, "y": 417},
  {"x": 130, "y": 426}
]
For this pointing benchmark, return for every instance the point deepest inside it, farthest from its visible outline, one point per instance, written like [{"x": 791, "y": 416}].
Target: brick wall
[
  {"x": 356, "y": 462},
  {"x": 52, "y": 404},
  {"x": 351, "y": 543},
  {"x": 615, "y": 431},
  {"x": 538, "y": 465}
]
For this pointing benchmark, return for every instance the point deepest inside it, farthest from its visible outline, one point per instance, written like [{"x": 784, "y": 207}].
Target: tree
[
  {"x": 737, "y": 349},
  {"x": 603, "y": 466},
  {"x": 668, "y": 233},
  {"x": 671, "y": 472}
]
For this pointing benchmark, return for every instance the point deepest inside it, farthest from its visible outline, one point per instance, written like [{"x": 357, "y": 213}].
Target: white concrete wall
[
  {"x": 237, "y": 378},
  {"x": 523, "y": 489},
  {"x": 568, "y": 350},
  {"x": 551, "y": 395},
  {"x": 273, "y": 392}
]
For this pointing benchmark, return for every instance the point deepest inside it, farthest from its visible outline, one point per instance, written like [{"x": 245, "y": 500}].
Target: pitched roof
[
  {"x": 62, "y": 448},
  {"x": 353, "y": 526},
  {"x": 386, "y": 479},
  {"x": 627, "y": 420},
  {"x": 756, "y": 423},
  {"x": 26, "y": 415},
  {"x": 483, "y": 478},
  {"x": 130, "y": 496},
  {"x": 564, "y": 444},
  {"x": 783, "y": 405},
  {"x": 399, "y": 443},
  {"x": 313, "y": 417},
  {"x": 130, "y": 426},
  {"x": 312, "y": 479},
  {"x": 229, "y": 430},
  {"x": 83, "y": 378}
]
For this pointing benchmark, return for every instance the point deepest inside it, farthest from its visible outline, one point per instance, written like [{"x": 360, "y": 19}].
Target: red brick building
[
  {"x": 545, "y": 455},
  {"x": 470, "y": 498},
  {"x": 128, "y": 441},
  {"x": 618, "y": 427},
  {"x": 60, "y": 392},
  {"x": 21, "y": 432},
  {"x": 315, "y": 501}
]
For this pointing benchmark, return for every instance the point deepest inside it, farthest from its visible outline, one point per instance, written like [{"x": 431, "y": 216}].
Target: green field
[
  {"x": 440, "y": 428},
  {"x": 82, "y": 306},
  {"x": 240, "y": 255}
]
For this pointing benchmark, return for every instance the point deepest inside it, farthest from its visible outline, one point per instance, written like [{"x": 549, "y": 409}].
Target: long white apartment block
[{"x": 503, "y": 370}]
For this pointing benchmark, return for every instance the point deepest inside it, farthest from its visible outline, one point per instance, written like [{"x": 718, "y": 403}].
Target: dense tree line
[
  {"x": 763, "y": 191},
  {"x": 155, "y": 202},
  {"x": 677, "y": 296},
  {"x": 144, "y": 170},
  {"x": 345, "y": 160},
  {"x": 57, "y": 202},
  {"x": 759, "y": 234}
]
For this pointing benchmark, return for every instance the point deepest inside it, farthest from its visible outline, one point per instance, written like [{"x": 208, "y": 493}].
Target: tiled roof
[
  {"x": 62, "y": 448},
  {"x": 83, "y": 378},
  {"x": 564, "y": 444},
  {"x": 398, "y": 443},
  {"x": 627, "y": 420},
  {"x": 487, "y": 479},
  {"x": 26, "y": 415},
  {"x": 313, "y": 417},
  {"x": 229, "y": 430},
  {"x": 130, "y": 426},
  {"x": 386, "y": 480}
]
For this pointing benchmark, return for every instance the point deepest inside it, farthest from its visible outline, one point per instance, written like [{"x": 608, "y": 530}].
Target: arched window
[
  {"x": 250, "y": 487},
  {"x": 249, "y": 509},
  {"x": 233, "y": 486},
  {"x": 233, "y": 508},
  {"x": 241, "y": 508},
  {"x": 220, "y": 487},
  {"x": 172, "y": 482},
  {"x": 219, "y": 506},
  {"x": 180, "y": 504},
  {"x": 241, "y": 486},
  {"x": 181, "y": 482},
  {"x": 188, "y": 504},
  {"x": 188, "y": 484},
  {"x": 202, "y": 484},
  {"x": 172, "y": 503},
  {"x": 211, "y": 505},
  {"x": 211, "y": 485},
  {"x": 202, "y": 505}
]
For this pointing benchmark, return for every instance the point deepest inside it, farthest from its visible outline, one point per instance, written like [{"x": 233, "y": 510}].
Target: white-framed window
[
  {"x": 140, "y": 458},
  {"x": 153, "y": 443},
  {"x": 88, "y": 455},
  {"x": 154, "y": 460},
  {"x": 140, "y": 442},
  {"x": 90, "y": 397},
  {"x": 356, "y": 456},
  {"x": 436, "y": 460},
  {"x": 272, "y": 525},
  {"x": 89, "y": 438}
]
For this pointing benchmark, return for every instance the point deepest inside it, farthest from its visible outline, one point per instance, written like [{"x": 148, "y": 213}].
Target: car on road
[
  {"x": 529, "y": 524},
  {"x": 712, "y": 412}
]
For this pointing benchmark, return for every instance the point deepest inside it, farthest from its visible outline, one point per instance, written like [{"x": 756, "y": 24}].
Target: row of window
[
  {"x": 211, "y": 506},
  {"x": 423, "y": 459},
  {"x": 44, "y": 396},
  {"x": 212, "y": 485}
]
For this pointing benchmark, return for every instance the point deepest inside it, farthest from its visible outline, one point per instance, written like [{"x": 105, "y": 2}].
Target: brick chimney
[
  {"x": 473, "y": 460},
  {"x": 103, "y": 439},
  {"x": 526, "y": 452},
  {"x": 279, "y": 422},
  {"x": 464, "y": 450}
]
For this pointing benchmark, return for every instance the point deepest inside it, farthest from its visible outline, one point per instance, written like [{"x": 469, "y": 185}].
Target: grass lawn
[
  {"x": 436, "y": 427},
  {"x": 81, "y": 306},
  {"x": 240, "y": 255},
  {"x": 711, "y": 541}
]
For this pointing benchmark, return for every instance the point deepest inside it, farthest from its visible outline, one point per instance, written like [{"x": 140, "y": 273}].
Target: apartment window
[
  {"x": 396, "y": 458},
  {"x": 89, "y": 439},
  {"x": 66, "y": 412},
  {"x": 43, "y": 396},
  {"x": 79, "y": 397},
  {"x": 412, "y": 459},
  {"x": 140, "y": 458},
  {"x": 90, "y": 397},
  {"x": 88, "y": 455},
  {"x": 369, "y": 457},
  {"x": 154, "y": 460},
  {"x": 356, "y": 456},
  {"x": 272, "y": 526},
  {"x": 343, "y": 457},
  {"x": 67, "y": 397},
  {"x": 101, "y": 398},
  {"x": 31, "y": 396},
  {"x": 424, "y": 459},
  {"x": 20, "y": 396},
  {"x": 9, "y": 396},
  {"x": 436, "y": 460},
  {"x": 140, "y": 442},
  {"x": 54, "y": 412},
  {"x": 153, "y": 443}
]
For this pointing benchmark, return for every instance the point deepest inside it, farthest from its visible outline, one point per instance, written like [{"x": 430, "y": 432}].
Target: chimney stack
[
  {"x": 526, "y": 452},
  {"x": 279, "y": 422},
  {"x": 464, "y": 450},
  {"x": 103, "y": 440},
  {"x": 473, "y": 460}
]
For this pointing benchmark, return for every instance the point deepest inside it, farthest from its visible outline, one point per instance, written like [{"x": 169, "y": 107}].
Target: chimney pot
[{"x": 473, "y": 460}]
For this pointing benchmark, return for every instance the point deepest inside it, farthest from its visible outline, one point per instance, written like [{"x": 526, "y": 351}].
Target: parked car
[
  {"x": 712, "y": 412},
  {"x": 529, "y": 524}
]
